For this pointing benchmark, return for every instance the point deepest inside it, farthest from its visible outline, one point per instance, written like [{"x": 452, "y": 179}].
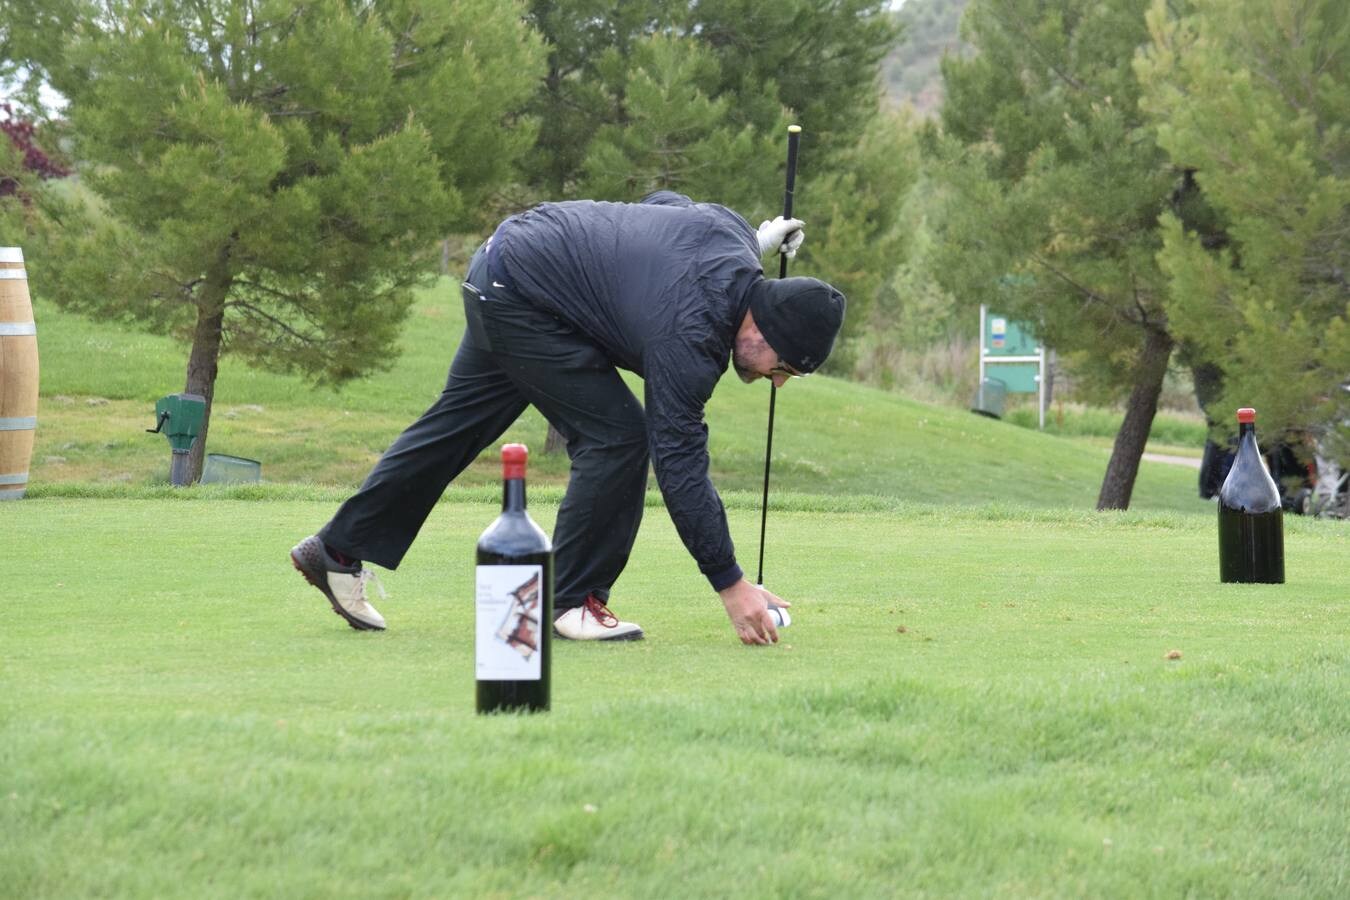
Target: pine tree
[
  {"x": 857, "y": 236},
  {"x": 818, "y": 58},
  {"x": 271, "y": 176},
  {"x": 674, "y": 136},
  {"x": 572, "y": 103},
  {"x": 821, "y": 59},
  {"x": 1055, "y": 187},
  {"x": 1252, "y": 99}
]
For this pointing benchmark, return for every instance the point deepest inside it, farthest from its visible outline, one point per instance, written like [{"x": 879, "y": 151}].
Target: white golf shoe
[
  {"x": 344, "y": 586},
  {"x": 592, "y": 621}
]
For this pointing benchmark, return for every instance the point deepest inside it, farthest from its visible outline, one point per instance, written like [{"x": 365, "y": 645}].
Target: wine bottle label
[{"x": 509, "y": 635}]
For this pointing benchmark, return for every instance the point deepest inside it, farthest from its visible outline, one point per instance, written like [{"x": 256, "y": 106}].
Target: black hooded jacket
[{"x": 662, "y": 287}]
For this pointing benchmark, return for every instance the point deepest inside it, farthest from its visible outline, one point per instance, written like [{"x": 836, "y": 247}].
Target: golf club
[{"x": 794, "y": 135}]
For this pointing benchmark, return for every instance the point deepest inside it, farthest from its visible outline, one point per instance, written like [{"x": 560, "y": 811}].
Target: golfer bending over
[{"x": 556, "y": 301}]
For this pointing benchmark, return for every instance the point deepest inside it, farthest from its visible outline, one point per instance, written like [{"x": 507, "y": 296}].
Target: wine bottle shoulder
[
  {"x": 1249, "y": 487},
  {"x": 514, "y": 534}
]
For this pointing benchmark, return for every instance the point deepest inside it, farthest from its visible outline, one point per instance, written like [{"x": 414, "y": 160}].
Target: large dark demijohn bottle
[
  {"x": 1251, "y": 522},
  {"x": 514, "y": 625}
]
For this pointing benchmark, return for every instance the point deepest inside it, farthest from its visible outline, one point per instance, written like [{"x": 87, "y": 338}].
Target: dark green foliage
[
  {"x": 1055, "y": 187},
  {"x": 266, "y": 178},
  {"x": 1207, "y": 212},
  {"x": 573, "y": 103},
  {"x": 678, "y": 134},
  {"x": 858, "y": 236},
  {"x": 284, "y": 163},
  {"x": 736, "y": 64},
  {"x": 1253, "y": 99},
  {"x": 821, "y": 56}
]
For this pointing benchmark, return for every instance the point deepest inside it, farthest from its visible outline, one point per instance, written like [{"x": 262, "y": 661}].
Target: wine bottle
[
  {"x": 1251, "y": 521},
  {"x": 514, "y": 626}
]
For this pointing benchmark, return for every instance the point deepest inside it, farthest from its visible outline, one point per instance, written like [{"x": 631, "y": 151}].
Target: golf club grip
[{"x": 794, "y": 137}]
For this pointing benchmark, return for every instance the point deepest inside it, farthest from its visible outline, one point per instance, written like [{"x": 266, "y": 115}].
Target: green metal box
[{"x": 180, "y": 419}]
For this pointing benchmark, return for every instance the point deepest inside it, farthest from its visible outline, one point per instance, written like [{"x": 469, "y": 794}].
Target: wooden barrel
[{"x": 18, "y": 375}]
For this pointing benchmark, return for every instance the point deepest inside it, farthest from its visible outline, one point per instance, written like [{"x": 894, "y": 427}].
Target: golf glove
[{"x": 781, "y": 236}]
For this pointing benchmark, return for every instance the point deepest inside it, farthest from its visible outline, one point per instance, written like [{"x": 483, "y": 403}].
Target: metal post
[
  {"x": 1040, "y": 385},
  {"x": 179, "y": 469},
  {"x": 979, "y": 390}
]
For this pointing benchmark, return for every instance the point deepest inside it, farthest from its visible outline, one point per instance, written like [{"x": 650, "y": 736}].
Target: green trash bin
[{"x": 989, "y": 397}]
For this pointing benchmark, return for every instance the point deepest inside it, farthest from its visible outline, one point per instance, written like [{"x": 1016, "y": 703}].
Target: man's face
[{"x": 754, "y": 359}]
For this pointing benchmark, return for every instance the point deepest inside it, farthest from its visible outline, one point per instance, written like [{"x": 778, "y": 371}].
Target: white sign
[{"x": 508, "y": 640}]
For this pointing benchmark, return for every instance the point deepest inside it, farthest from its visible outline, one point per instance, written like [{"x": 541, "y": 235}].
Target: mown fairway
[
  {"x": 975, "y": 698},
  {"x": 974, "y": 703}
]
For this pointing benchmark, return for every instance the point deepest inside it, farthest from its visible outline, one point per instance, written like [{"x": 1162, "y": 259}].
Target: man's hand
[
  {"x": 748, "y": 609},
  {"x": 781, "y": 236}
]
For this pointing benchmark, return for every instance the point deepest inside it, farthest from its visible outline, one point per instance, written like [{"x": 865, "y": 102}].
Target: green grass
[
  {"x": 1170, "y": 429},
  {"x": 100, "y": 381},
  {"x": 99, "y": 384},
  {"x": 974, "y": 699},
  {"x": 971, "y": 701}
]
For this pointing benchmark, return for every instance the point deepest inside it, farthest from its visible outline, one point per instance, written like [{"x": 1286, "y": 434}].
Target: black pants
[{"x": 513, "y": 355}]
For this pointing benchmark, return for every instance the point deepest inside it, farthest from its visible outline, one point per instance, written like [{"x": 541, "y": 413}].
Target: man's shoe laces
[
  {"x": 600, "y": 612},
  {"x": 368, "y": 575}
]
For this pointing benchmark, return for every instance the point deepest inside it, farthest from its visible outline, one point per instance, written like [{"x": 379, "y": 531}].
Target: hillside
[
  {"x": 832, "y": 437},
  {"x": 910, "y": 73}
]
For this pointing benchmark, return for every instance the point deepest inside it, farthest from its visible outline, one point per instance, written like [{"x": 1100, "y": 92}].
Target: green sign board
[
  {"x": 1004, "y": 337},
  {"x": 1019, "y": 377}
]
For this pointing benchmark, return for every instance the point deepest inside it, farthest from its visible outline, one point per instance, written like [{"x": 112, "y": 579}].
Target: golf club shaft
[{"x": 794, "y": 135}]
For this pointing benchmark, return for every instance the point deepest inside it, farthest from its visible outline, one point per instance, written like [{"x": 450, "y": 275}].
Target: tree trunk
[
  {"x": 1051, "y": 363},
  {"x": 1123, "y": 468},
  {"x": 1208, "y": 380},
  {"x": 204, "y": 361}
]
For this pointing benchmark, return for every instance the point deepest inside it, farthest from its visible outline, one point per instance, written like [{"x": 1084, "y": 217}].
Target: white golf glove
[{"x": 781, "y": 236}]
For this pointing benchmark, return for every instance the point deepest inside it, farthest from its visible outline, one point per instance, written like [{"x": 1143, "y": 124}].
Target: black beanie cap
[{"x": 799, "y": 317}]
